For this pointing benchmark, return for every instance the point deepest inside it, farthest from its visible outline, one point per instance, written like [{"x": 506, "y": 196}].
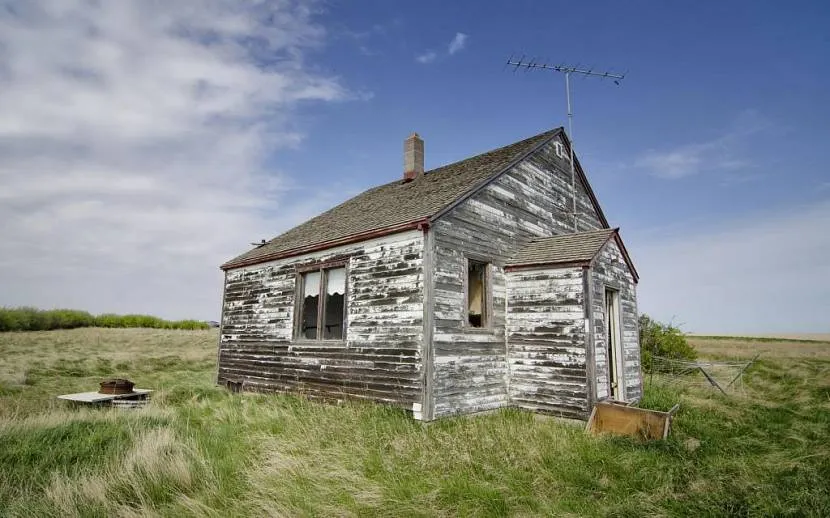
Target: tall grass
[
  {"x": 199, "y": 450},
  {"x": 33, "y": 319}
]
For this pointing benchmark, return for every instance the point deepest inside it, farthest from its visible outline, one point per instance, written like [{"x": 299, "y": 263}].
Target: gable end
[{"x": 580, "y": 175}]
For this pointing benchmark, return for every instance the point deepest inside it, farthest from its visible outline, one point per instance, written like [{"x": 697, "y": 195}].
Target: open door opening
[{"x": 613, "y": 339}]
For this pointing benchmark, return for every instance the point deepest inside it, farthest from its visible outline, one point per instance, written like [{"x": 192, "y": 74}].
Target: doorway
[{"x": 613, "y": 341}]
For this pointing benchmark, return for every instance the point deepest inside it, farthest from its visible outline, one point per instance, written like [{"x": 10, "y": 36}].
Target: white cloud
[
  {"x": 458, "y": 43},
  {"x": 426, "y": 57},
  {"x": 133, "y": 145},
  {"x": 718, "y": 154},
  {"x": 689, "y": 160},
  {"x": 768, "y": 274}
]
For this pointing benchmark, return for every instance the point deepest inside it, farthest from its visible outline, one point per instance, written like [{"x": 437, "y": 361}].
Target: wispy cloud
[
  {"x": 367, "y": 40},
  {"x": 718, "y": 154},
  {"x": 736, "y": 277},
  {"x": 458, "y": 43},
  {"x": 426, "y": 57},
  {"x": 134, "y": 142}
]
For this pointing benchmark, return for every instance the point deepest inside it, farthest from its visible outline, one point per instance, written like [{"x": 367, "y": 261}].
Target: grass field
[{"x": 198, "y": 450}]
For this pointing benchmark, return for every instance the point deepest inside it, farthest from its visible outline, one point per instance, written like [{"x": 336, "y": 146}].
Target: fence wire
[{"x": 725, "y": 376}]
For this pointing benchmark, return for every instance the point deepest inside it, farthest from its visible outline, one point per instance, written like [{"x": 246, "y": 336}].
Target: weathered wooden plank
[
  {"x": 527, "y": 201},
  {"x": 380, "y": 357},
  {"x": 611, "y": 270},
  {"x": 546, "y": 346}
]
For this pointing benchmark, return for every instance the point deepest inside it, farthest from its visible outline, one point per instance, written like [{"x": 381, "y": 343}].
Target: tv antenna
[{"x": 567, "y": 70}]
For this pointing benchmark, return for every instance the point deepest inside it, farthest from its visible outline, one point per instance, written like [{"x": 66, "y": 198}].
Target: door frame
[{"x": 613, "y": 346}]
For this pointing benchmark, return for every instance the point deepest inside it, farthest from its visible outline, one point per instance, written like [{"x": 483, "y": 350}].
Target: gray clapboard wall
[
  {"x": 611, "y": 270},
  {"x": 533, "y": 199},
  {"x": 379, "y": 360},
  {"x": 547, "y": 340}
]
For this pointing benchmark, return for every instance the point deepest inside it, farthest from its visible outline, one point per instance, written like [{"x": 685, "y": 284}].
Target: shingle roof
[
  {"x": 395, "y": 203},
  {"x": 572, "y": 249},
  {"x": 567, "y": 248}
]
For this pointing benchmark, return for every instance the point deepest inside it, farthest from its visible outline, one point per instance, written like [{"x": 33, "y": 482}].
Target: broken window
[
  {"x": 322, "y": 311},
  {"x": 477, "y": 294}
]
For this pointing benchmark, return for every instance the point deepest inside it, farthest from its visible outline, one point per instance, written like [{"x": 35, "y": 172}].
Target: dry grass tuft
[{"x": 158, "y": 465}]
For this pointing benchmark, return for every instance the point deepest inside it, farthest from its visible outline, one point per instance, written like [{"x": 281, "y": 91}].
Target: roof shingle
[
  {"x": 395, "y": 203},
  {"x": 566, "y": 248}
]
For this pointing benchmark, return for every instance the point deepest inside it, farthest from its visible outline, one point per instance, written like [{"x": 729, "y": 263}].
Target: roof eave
[
  {"x": 546, "y": 264},
  {"x": 615, "y": 234},
  {"x": 418, "y": 224},
  {"x": 627, "y": 257}
]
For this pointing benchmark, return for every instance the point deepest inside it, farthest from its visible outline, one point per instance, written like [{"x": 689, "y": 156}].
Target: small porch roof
[{"x": 578, "y": 249}]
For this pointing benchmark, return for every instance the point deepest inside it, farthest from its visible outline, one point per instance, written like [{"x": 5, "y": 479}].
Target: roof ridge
[
  {"x": 395, "y": 205},
  {"x": 473, "y": 157},
  {"x": 496, "y": 150}
]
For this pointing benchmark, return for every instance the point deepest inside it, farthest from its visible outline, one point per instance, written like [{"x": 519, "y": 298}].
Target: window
[
  {"x": 322, "y": 307},
  {"x": 477, "y": 290},
  {"x": 560, "y": 151}
]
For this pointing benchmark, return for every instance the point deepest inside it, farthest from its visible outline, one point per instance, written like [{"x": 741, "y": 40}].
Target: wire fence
[{"x": 724, "y": 376}]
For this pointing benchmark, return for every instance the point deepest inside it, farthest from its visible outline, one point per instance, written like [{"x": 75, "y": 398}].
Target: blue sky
[{"x": 148, "y": 142}]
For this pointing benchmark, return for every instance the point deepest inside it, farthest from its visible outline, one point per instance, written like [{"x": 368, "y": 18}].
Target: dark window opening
[
  {"x": 335, "y": 303},
  {"x": 311, "y": 305},
  {"x": 323, "y": 305},
  {"x": 476, "y": 294}
]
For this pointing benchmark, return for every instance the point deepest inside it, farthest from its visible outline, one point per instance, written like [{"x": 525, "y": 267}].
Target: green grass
[
  {"x": 33, "y": 319},
  {"x": 198, "y": 450}
]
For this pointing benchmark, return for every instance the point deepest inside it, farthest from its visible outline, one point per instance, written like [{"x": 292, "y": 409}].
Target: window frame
[
  {"x": 299, "y": 299},
  {"x": 487, "y": 297}
]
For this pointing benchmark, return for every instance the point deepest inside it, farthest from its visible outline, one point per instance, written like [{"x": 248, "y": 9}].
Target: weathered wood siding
[
  {"x": 546, "y": 336},
  {"x": 469, "y": 364},
  {"x": 530, "y": 200},
  {"x": 611, "y": 270},
  {"x": 380, "y": 358}
]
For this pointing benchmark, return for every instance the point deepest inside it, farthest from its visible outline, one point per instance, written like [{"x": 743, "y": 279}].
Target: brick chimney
[{"x": 413, "y": 157}]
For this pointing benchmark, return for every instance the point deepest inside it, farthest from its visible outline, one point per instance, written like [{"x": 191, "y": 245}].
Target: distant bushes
[
  {"x": 664, "y": 340},
  {"x": 33, "y": 319}
]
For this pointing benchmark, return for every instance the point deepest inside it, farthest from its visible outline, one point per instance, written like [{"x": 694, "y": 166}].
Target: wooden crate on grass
[{"x": 621, "y": 419}]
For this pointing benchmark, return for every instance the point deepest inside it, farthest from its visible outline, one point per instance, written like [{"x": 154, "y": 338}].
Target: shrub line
[{"x": 33, "y": 319}]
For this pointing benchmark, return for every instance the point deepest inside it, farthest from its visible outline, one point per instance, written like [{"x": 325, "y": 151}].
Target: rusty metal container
[{"x": 116, "y": 386}]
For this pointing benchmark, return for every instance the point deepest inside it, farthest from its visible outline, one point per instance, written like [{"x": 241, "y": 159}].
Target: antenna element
[{"x": 567, "y": 70}]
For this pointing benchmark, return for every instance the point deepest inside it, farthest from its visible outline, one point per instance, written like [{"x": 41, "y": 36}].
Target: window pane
[
  {"x": 335, "y": 301},
  {"x": 475, "y": 293},
  {"x": 311, "y": 302}
]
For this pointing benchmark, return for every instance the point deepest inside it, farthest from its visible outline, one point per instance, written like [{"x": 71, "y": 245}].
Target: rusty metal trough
[{"x": 116, "y": 386}]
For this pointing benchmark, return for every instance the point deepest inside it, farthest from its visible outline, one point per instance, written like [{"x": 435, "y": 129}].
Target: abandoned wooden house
[{"x": 490, "y": 282}]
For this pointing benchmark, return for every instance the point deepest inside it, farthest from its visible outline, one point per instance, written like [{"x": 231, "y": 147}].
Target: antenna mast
[{"x": 567, "y": 70}]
